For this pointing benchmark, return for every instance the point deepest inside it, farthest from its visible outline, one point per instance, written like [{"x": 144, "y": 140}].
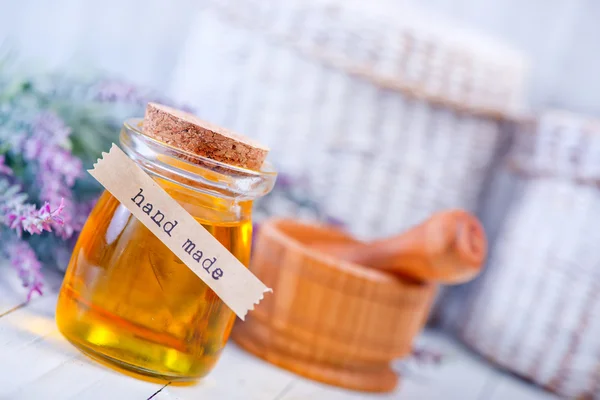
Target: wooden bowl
[{"x": 329, "y": 320}]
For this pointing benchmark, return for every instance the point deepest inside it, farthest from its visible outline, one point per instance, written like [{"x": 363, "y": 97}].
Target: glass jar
[{"x": 126, "y": 298}]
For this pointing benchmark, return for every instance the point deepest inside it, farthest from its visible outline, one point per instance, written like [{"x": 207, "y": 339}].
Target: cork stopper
[{"x": 190, "y": 133}]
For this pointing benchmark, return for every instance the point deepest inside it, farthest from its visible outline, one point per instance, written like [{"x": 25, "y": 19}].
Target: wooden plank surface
[{"x": 38, "y": 363}]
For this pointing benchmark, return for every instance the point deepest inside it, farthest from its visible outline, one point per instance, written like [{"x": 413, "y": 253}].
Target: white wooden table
[{"x": 37, "y": 363}]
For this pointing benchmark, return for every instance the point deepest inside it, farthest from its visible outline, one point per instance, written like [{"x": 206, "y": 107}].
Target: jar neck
[{"x": 191, "y": 173}]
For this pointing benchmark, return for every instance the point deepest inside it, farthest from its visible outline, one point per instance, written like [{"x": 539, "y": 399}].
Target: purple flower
[
  {"x": 335, "y": 222},
  {"x": 117, "y": 91},
  {"x": 55, "y": 191},
  {"x": 49, "y": 133},
  {"x": 28, "y": 267},
  {"x": 49, "y": 129},
  {"x": 38, "y": 139},
  {"x": 26, "y": 218},
  {"x": 21, "y": 217},
  {"x": 58, "y": 161},
  {"x": 58, "y": 169},
  {"x": 32, "y": 147},
  {"x": 427, "y": 356},
  {"x": 4, "y": 169},
  {"x": 285, "y": 182}
]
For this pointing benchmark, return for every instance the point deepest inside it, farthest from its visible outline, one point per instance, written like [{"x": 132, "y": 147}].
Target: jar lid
[
  {"x": 199, "y": 167},
  {"x": 189, "y": 133}
]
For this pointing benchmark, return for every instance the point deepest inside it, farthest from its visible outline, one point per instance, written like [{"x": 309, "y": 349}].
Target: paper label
[{"x": 239, "y": 289}]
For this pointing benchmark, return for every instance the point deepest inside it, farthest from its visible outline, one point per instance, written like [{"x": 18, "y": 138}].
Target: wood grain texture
[
  {"x": 328, "y": 319},
  {"x": 448, "y": 247}
]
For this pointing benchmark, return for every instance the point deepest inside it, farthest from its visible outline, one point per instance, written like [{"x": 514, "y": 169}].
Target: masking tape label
[{"x": 237, "y": 286}]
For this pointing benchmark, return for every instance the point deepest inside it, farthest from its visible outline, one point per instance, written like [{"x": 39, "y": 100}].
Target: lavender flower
[
  {"x": 49, "y": 129},
  {"x": 19, "y": 216},
  {"x": 28, "y": 267},
  {"x": 424, "y": 355},
  {"x": 116, "y": 91},
  {"x": 58, "y": 169},
  {"x": 50, "y": 170},
  {"x": 56, "y": 189},
  {"x": 24, "y": 217}
]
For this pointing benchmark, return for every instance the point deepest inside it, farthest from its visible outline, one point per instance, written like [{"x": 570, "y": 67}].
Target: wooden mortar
[{"x": 330, "y": 320}]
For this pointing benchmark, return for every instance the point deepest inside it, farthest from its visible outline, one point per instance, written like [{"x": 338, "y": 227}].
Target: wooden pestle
[{"x": 449, "y": 247}]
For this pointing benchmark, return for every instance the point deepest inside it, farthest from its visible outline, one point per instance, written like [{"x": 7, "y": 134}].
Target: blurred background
[
  {"x": 147, "y": 42},
  {"x": 378, "y": 115}
]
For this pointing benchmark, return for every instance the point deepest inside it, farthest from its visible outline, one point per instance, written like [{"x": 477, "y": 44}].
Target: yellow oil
[{"x": 128, "y": 299}]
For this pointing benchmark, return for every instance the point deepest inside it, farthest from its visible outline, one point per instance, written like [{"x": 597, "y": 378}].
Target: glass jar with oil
[{"x": 126, "y": 298}]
